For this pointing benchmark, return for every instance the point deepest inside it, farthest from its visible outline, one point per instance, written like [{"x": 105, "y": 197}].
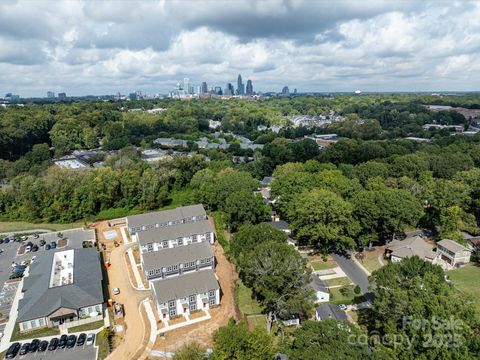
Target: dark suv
[
  {"x": 24, "y": 348},
  {"x": 72, "y": 339},
  {"x": 53, "y": 344},
  {"x": 33, "y": 346},
  {"x": 81, "y": 339},
  {"x": 63, "y": 341},
  {"x": 12, "y": 351}
]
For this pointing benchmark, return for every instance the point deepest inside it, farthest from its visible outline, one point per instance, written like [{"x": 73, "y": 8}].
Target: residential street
[{"x": 355, "y": 273}]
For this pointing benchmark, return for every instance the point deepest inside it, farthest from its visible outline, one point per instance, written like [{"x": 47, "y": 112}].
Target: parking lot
[
  {"x": 75, "y": 353},
  {"x": 7, "y": 293}
]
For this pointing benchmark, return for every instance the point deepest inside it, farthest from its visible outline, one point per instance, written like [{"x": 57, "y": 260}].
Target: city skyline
[{"x": 103, "y": 47}]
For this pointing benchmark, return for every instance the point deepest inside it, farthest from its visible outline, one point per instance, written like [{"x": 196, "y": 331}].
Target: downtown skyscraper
[
  {"x": 249, "y": 90},
  {"x": 240, "y": 86}
]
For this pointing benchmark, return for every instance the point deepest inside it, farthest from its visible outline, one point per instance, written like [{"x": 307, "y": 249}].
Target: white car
[
  {"x": 116, "y": 291},
  {"x": 342, "y": 307},
  {"x": 33, "y": 259},
  {"x": 90, "y": 339},
  {"x": 28, "y": 248}
]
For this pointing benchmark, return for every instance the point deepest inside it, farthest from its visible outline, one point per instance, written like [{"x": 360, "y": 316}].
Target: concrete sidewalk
[
  {"x": 138, "y": 279},
  {"x": 186, "y": 323}
]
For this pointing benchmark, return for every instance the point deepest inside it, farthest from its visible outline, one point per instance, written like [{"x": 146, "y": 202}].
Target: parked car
[
  {"x": 35, "y": 248},
  {"x": 12, "y": 351},
  {"x": 28, "y": 248},
  {"x": 29, "y": 244},
  {"x": 34, "y": 346},
  {"x": 116, "y": 291},
  {"x": 23, "y": 238},
  {"x": 14, "y": 276},
  {"x": 35, "y": 236},
  {"x": 342, "y": 307},
  {"x": 33, "y": 259},
  {"x": 90, "y": 339},
  {"x": 81, "y": 339},
  {"x": 53, "y": 245},
  {"x": 1, "y": 251},
  {"x": 72, "y": 339},
  {"x": 24, "y": 348},
  {"x": 1, "y": 241},
  {"x": 62, "y": 342},
  {"x": 47, "y": 247},
  {"x": 53, "y": 344},
  {"x": 42, "y": 242},
  {"x": 43, "y": 346}
]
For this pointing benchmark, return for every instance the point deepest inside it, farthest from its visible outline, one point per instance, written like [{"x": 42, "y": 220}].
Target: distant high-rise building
[
  {"x": 240, "y": 86},
  {"x": 249, "y": 87},
  {"x": 218, "y": 90},
  {"x": 50, "y": 94},
  {"x": 186, "y": 84},
  {"x": 204, "y": 88},
  {"x": 198, "y": 90},
  {"x": 62, "y": 95},
  {"x": 229, "y": 90},
  {"x": 132, "y": 96},
  {"x": 295, "y": 91},
  {"x": 285, "y": 91}
]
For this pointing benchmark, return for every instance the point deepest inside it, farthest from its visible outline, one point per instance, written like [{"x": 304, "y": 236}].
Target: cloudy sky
[{"x": 103, "y": 47}]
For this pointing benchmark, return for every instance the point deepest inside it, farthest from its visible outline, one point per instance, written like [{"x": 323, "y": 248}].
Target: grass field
[
  {"x": 338, "y": 281},
  {"x": 6, "y": 226},
  {"x": 257, "y": 321},
  {"x": 246, "y": 304},
  {"x": 323, "y": 265},
  {"x": 101, "y": 340},
  {"x": 336, "y": 297},
  {"x": 86, "y": 327},
  {"x": 371, "y": 263},
  {"x": 16, "y": 335},
  {"x": 467, "y": 280}
]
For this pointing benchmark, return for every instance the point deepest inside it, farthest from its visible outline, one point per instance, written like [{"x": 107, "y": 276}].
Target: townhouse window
[
  {"x": 192, "y": 264},
  {"x": 150, "y": 247},
  {"x": 171, "y": 304},
  {"x": 165, "y": 244},
  {"x": 41, "y": 322},
  {"x": 158, "y": 271},
  {"x": 173, "y": 312},
  {"x": 202, "y": 261},
  {"x": 208, "y": 260},
  {"x": 192, "y": 298},
  {"x": 175, "y": 267},
  {"x": 169, "y": 268},
  {"x": 211, "y": 293},
  {"x": 208, "y": 236},
  {"x": 180, "y": 241},
  {"x": 151, "y": 272},
  {"x": 193, "y": 307},
  {"x": 186, "y": 265},
  {"x": 211, "y": 302},
  {"x": 195, "y": 238},
  {"x": 33, "y": 323},
  {"x": 24, "y": 326}
]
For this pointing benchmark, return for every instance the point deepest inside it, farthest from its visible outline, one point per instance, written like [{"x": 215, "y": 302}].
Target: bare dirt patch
[{"x": 62, "y": 242}]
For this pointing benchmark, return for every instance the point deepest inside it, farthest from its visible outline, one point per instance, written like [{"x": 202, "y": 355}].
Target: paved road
[{"x": 355, "y": 273}]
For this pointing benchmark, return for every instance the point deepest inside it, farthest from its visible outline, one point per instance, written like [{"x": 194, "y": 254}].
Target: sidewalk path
[{"x": 138, "y": 279}]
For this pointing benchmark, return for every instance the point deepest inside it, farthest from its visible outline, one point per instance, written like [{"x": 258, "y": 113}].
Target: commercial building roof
[
  {"x": 179, "y": 287},
  {"x": 178, "y": 255},
  {"x": 166, "y": 215},
  {"x": 174, "y": 232},
  {"x": 331, "y": 311},
  {"x": 453, "y": 246},
  {"x": 86, "y": 289}
]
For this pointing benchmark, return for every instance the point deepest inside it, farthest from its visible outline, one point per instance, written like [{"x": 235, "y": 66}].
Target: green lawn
[
  {"x": 6, "y": 226},
  {"x": 371, "y": 263},
  {"x": 254, "y": 321},
  {"x": 246, "y": 304},
  {"x": 86, "y": 327},
  {"x": 223, "y": 236},
  {"x": 323, "y": 265},
  {"x": 101, "y": 340},
  {"x": 16, "y": 335},
  {"x": 467, "y": 279},
  {"x": 336, "y": 297},
  {"x": 338, "y": 281}
]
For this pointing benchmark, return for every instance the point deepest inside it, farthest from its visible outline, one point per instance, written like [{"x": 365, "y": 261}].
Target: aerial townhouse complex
[{"x": 177, "y": 259}]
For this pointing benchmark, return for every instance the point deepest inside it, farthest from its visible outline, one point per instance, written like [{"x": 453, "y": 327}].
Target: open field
[
  {"x": 16, "y": 335},
  {"x": 323, "y": 265},
  {"x": 467, "y": 280},
  {"x": 371, "y": 261},
  {"x": 6, "y": 226},
  {"x": 338, "y": 281},
  {"x": 246, "y": 304}
]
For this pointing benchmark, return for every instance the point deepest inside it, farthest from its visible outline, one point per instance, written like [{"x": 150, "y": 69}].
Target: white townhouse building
[{"x": 177, "y": 259}]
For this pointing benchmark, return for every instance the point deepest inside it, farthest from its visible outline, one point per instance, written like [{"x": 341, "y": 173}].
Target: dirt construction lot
[{"x": 202, "y": 332}]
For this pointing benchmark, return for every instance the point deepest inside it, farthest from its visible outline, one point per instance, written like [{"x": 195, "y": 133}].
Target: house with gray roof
[
  {"x": 161, "y": 219},
  {"x": 320, "y": 288},
  {"x": 413, "y": 246},
  {"x": 329, "y": 312},
  {"x": 453, "y": 253},
  {"x": 177, "y": 261},
  {"x": 61, "y": 288}
]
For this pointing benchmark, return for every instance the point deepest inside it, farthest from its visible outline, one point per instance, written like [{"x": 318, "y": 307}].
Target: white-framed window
[
  {"x": 211, "y": 293},
  {"x": 195, "y": 238},
  {"x": 193, "y": 307},
  {"x": 173, "y": 312},
  {"x": 180, "y": 241},
  {"x": 151, "y": 272},
  {"x": 186, "y": 265},
  {"x": 211, "y": 302},
  {"x": 158, "y": 271},
  {"x": 202, "y": 261},
  {"x": 150, "y": 247},
  {"x": 169, "y": 268},
  {"x": 33, "y": 323},
  {"x": 165, "y": 244},
  {"x": 192, "y": 298},
  {"x": 192, "y": 264},
  {"x": 171, "y": 303},
  {"x": 24, "y": 326},
  {"x": 41, "y": 322},
  {"x": 208, "y": 260},
  {"x": 175, "y": 267}
]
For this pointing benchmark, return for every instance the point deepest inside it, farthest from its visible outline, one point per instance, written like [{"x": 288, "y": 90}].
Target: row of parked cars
[
  {"x": 56, "y": 343},
  {"x": 8, "y": 240}
]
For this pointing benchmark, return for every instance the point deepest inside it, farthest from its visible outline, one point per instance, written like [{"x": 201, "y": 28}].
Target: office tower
[
  {"x": 249, "y": 87},
  {"x": 240, "y": 86},
  {"x": 132, "y": 96},
  {"x": 230, "y": 89},
  {"x": 50, "y": 94},
  {"x": 186, "y": 85},
  {"x": 62, "y": 95},
  {"x": 198, "y": 90},
  {"x": 295, "y": 91},
  {"x": 285, "y": 91},
  {"x": 204, "y": 88},
  {"x": 218, "y": 90}
]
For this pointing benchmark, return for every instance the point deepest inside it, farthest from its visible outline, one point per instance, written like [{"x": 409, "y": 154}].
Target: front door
[{"x": 61, "y": 321}]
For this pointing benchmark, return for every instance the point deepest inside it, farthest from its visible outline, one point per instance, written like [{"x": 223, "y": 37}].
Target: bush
[
  {"x": 346, "y": 291},
  {"x": 357, "y": 290}
]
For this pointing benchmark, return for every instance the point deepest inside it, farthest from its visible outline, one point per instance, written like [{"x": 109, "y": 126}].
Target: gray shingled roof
[
  {"x": 165, "y": 216},
  {"x": 331, "y": 311},
  {"x": 414, "y": 246},
  {"x": 452, "y": 245},
  {"x": 279, "y": 225},
  {"x": 179, "y": 255},
  {"x": 174, "y": 232},
  {"x": 317, "y": 284},
  {"x": 40, "y": 301},
  {"x": 182, "y": 286}
]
